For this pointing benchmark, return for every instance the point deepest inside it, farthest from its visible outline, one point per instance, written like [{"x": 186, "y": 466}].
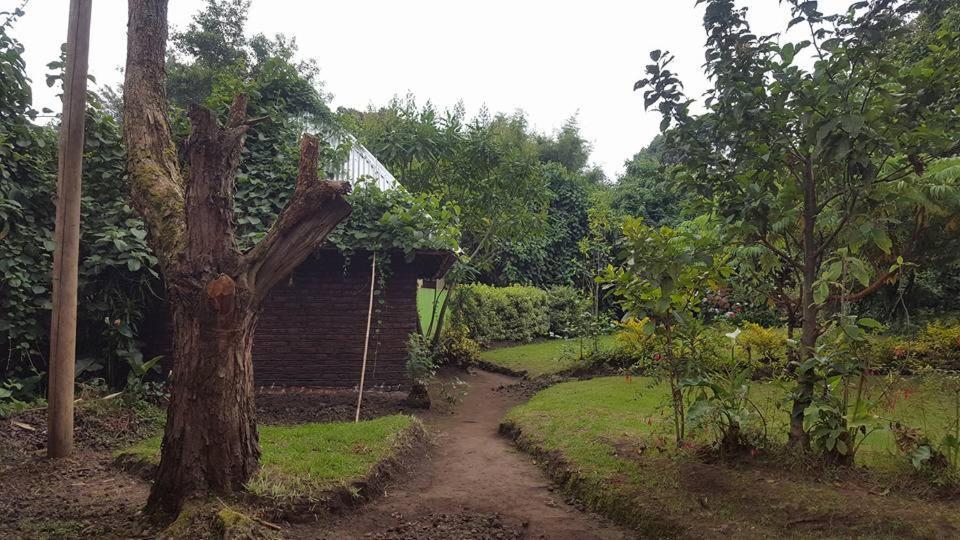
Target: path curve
[{"x": 474, "y": 470}]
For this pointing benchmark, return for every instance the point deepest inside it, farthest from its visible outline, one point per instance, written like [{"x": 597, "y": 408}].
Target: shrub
[
  {"x": 421, "y": 365},
  {"x": 764, "y": 345},
  {"x": 568, "y": 311},
  {"x": 936, "y": 346},
  {"x": 456, "y": 347},
  {"x": 616, "y": 358},
  {"x": 512, "y": 313}
]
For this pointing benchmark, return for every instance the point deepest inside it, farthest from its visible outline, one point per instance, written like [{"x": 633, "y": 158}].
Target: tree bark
[{"x": 210, "y": 441}]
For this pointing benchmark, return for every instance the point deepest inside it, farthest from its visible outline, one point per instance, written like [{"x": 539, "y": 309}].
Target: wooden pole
[
  {"x": 366, "y": 339},
  {"x": 66, "y": 252}
]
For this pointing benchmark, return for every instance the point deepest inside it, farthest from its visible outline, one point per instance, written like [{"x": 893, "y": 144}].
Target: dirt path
[{"x": 476, "y": 485}]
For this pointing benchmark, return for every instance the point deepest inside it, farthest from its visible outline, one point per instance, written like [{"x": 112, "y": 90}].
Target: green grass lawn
[
  {"x": 615, "y": 435},
  {"x": 641, "y": 405},
  {"x": 425, "y": 304},
  {"x": 542, "y": 357},
  {"x": 306, "y": 459}
]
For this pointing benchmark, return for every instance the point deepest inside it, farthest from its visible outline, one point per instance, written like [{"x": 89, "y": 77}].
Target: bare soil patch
[
  {"x": 304, "y": 405},
  {"x": 78, "y": 497},
  {"x": 441, "y": 526},
  {"x": 98, "y": 426}
]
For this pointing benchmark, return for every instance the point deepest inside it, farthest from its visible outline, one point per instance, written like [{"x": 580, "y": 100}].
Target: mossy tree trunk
[{"x": 214, "y": 291}]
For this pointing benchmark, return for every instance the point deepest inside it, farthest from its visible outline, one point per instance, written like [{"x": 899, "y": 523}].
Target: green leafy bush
[
  {"x": 936, "y": 346},
  {"x": 568, "y": 310},
  {"x": 116, "y": 275},
  {"x": 456, "y": 348},
  {"x": 396, "y": 220},
  {"x": 492, "y": 314},
  {"x": 421, "y": 364}
]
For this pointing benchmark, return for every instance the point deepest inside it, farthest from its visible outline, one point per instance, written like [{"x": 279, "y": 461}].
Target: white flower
[{"x": 734, "y": 335}]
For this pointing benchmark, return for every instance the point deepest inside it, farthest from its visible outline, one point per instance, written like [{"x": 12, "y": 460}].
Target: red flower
[{"x": 656, "y": 358}]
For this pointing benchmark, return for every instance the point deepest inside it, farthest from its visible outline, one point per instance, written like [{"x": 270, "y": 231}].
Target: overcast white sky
[{"x": 551, "y": 59}]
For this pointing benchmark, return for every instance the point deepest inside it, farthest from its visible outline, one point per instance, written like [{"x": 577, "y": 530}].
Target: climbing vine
[{"x": 116, "y": 275}]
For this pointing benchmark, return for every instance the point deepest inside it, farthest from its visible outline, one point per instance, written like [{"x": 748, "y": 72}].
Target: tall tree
[
  {"x": 800, "y": 159},
  {"x": 214, "y": 290},
  {"x": 566, "y": 147},
  {"x": 648, "y": 189}
]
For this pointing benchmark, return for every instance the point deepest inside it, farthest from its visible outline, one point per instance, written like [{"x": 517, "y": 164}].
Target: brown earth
[
  {"x": 304, "y": 405},
  {"x": 78, "y": 497},
  {"x": 475, "y": 484}
]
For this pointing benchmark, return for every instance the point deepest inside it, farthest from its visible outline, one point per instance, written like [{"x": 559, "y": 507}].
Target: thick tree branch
[
  {"x": 214, "y": 155},
  {"x": 868, "y": 290},
  {"x": 315, "y": 208},
  {"x": 779, "y": 252},
  {"x": 155, "y": 182}
]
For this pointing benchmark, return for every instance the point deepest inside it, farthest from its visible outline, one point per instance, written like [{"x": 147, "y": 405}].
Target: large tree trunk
[{"x": 210, "y": 441}]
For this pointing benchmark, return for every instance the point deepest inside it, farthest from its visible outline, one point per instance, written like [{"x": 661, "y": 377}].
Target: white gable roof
[{"x": 359, "y": 163}]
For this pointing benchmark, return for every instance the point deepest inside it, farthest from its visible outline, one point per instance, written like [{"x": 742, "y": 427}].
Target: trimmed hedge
[
  {"x": 518, "y": 313},
  {"x": 512, "y": 313}
]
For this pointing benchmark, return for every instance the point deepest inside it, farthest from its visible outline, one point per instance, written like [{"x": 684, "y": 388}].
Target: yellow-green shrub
[
  {"x": 761, "y": 344},
  {"x": 936, "y": 346}
]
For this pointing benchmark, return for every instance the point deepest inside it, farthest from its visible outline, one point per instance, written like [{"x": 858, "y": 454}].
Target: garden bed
[
  {"x": 308, "y": 468},
  {"x": 303, "y": 405},
  {"x": 311, "y": 469},
  {"x": 604, "y": 442},
  {"x": 98, "y": 425}
]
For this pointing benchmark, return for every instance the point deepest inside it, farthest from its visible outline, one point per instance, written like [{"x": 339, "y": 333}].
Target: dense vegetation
[{"x": 793, "y": 235}]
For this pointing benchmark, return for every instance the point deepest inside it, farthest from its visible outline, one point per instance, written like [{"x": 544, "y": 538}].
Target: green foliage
[
  {"x": 936, "y": 346},
  {"x": 116, "y": 273},
  {"x": 763, "y": 345},
  {"x": 421, "y": 364},
  {"x": 396, "y": 220},
  {"x": 839, "y": 417},
  {"x": 456, "y": 348},
  {"x": 514, "y": 313},
  {"x": 27, "y": 176},
  {"x": 566, "y": 148},
  {"x": 647, "y": 189},
  {"x": 825, "y": 167},
  {"x": 569, "y": 311},
  {"x": 488, "y": 166},
  {"x": 662, "y": 273},
  {"x": 553, "y": 257},
  {"x": 16, "y": 394},
  {"x": 721, "y": 400}
]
